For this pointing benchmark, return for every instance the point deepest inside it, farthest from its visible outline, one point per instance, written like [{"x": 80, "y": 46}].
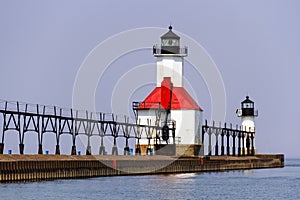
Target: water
[{"x": 279, "y": 183}]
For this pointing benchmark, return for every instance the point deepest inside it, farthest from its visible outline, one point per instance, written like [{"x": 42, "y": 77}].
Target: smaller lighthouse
[{"x": 247, "y": 115}]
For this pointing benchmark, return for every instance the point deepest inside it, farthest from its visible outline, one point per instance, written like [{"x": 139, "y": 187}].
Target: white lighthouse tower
[
  {"x": 169, "y": 101},
  {"x": 169, "y": 58},
  {"x": 247, "y": 115}
]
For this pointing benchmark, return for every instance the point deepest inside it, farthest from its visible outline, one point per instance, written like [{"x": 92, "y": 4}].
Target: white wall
[
  {"x": 188, "y": 124},
  {"x": 248, "y": 122},
  {"x": 148, "y": 117},
  {"x": 198, "y": 127},
  {"x": 169, "y": 67}
]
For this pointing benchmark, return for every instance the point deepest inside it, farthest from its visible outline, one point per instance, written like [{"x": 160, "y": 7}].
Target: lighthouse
[
  {"x": 169, "y": 104},
  {"x": 247, "y": 115}
]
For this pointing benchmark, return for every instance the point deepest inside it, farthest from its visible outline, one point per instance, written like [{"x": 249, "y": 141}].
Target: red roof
[{"x": 181, "y": 100}]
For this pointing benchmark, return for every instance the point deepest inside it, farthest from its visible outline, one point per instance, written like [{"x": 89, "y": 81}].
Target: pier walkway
[{"x": 47, "y": 167}]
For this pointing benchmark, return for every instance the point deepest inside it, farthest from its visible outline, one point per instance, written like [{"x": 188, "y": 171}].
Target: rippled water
[{"x": 280, "y": 183}]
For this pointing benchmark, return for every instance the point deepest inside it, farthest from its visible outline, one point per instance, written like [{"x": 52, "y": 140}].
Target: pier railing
[
  {"x": 25, "y": 117},
  {"x": 227, "y": 140}
]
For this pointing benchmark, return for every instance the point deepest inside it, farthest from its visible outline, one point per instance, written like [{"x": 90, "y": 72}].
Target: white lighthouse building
[
  {"x": 169, "y": 101},
  {"x": 247, "y": 115}
]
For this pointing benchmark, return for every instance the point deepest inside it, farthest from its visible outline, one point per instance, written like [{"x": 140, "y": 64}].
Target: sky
[{"x": 254, "y": 44}]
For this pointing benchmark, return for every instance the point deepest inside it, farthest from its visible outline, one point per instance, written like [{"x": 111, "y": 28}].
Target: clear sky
[{"x": 255, "y": 45}]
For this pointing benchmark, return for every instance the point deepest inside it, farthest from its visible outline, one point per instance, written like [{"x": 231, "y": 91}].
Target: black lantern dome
[
  {"x": 170, "y": 38},
  {"x": 247, "y": 107},
  {"x": 170, "y": 44}
]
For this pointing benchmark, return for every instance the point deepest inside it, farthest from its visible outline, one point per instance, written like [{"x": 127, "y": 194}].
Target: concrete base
[
  {"x": 165, "y": 149},
  {"x": 188, "y": 149},
  {"x": 170, "y": 149}
]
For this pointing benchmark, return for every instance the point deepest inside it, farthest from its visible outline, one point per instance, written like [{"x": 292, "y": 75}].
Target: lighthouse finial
[{"x": 170, "y": 27}]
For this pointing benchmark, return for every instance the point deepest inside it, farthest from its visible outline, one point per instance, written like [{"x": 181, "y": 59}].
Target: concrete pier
[{"x": 46, "y": 167}]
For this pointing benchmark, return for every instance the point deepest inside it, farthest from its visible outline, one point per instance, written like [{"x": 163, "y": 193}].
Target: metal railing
[
  {"x": 234, "y": 141},
  {"x": 159, "y": 50},
  {"x": 24, "y": 118}
]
